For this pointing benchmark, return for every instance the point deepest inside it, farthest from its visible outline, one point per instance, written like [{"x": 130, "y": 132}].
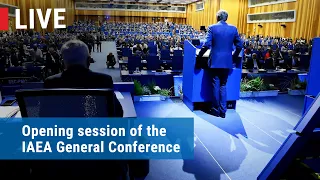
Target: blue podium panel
[
  {"x": 308, "y": 100},
  {"x": 310, "y": 120},
  {"x": 304, "y": 143},
  {"x": 189, "y": 63},
  {"x": 313, "y": 80},
  {"x": 280, "y": 162},
  {"x": 197, "y": 87},
  {"x": 202, "y": 92}
]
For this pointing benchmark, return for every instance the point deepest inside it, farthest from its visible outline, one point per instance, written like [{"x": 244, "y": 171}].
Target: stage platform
[
  {"x": 163, "y": 79},
  {"x": 236, "y": 148}
]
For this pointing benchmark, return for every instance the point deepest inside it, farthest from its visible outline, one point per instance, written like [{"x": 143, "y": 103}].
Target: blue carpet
[
  {"x": 237, "y": 147},
  {"x": 101, "y": 59}
]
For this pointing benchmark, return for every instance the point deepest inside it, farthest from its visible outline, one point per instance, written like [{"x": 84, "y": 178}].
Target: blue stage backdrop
[{"x": 98, "y": 138}]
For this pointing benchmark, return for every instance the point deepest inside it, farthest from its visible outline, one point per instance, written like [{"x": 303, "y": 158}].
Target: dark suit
[
  {"x": 98, "y": 41},
  {"x": 53, "y": 62},
  {"x": 292, "y": 62},
  {"x": 220, "y": 40},
  {"x": 83, "y": 78},
  {"x": 111, "y": 61}
]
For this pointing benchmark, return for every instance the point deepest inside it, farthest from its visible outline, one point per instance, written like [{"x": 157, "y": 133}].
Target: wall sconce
[{"x": 283, "y": 25}]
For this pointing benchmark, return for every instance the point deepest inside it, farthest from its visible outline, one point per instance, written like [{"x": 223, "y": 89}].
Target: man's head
[
  {"x": 75, "y": 52},
  {"x": 254, "y": 56},
  {"x": 51, "y": 49},
  {"x": 222, "y": 15}
]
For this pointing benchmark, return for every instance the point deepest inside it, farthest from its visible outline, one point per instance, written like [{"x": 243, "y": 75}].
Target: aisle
[{"x": 101, "y": 58}]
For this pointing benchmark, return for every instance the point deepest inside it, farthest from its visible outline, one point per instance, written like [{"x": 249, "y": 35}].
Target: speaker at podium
[{"x": 197, "y": 87}]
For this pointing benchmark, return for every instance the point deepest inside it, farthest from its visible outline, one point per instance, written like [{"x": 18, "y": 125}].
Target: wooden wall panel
[
  {"x": 205, "y": 17},
  {"x": 70, "y": 11},
  {"x": 10, "y": 2},
  {"x": 307, "y": 24},
  {"x": 25, "y": 5},
  {"x": 232, "y": 7},
  {"x": 130, "y": 13},
  {"x": 242, "y": 17},
  {"x": 129, "y": 19}
]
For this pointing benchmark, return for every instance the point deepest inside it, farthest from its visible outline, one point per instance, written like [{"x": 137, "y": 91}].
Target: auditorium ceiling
[{"x": 144, "y": 1}]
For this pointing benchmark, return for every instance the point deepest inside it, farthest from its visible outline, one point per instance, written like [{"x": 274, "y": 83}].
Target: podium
[{"x": 197, "y": 87}]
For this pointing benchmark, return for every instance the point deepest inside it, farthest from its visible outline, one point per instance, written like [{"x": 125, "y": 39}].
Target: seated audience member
[
  {"x": 136, "y": 52},
  {"x": 145, "y": 54},
  {"x": 255, "y": 61},
  {"x": 248, "y": 53},
  {"x": 37, "y": 56},
  {"x": 53, "y": 61},
  {"x": 144, "y": 46},
  {"x": 292, "y": 61},
  {"x": 171, "y": 49},
  {"x": 77, "y": 75},
  {"x": 14, "y": 58},
  {"x": 178, "y": 47},
  {"x": 268, "y": 54},
  {"x": 111, "y": 61},
  {"x": 278, "y": 54},
  {"x": 284, "y": 48},
  {"x": 75, "y": 54},
  {"x": 269, "y": 61}
]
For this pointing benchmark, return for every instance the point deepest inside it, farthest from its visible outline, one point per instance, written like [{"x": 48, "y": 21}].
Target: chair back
[
  {"x": 66, "y": 103},
  {"x": 177, "y": 63},
  {"x": 305, "y": 61},
  {"x": 34, "y": 71},
  {"x": 269, "y": 64},
  {"x": 28, "y": 65},
  {"x": 250, "y": 63},
  {"x": 14, "y": 72},
  {"x": 285, "y": 55},
  {"x": 32, "y": 85},
  {"x": 153, "y": 50},
  {"x": 134, "y": 62},
  {"x": 153, "y": 63},
  {"x": 126, "y": 52},
  {"x": 150, "y": 43},
  {"x": 165, "y": 54},
  {"x": 177, "y": 52}
]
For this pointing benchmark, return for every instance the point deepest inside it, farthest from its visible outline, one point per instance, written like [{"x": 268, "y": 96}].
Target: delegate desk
[
  {"x": 143, "y": 62},
  {"x": 29, "y": 71},
  {"x": 272, "y": 72},
  {"x": 281, "y": 78},
  {"x": 197, "y": 88},
  {"x": 163, "y": 79}
]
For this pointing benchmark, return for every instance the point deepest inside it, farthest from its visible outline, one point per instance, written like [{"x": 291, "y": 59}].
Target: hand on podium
[
  {"x": 198, "y": 64},
  {"x": 201, "y": 63}
]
